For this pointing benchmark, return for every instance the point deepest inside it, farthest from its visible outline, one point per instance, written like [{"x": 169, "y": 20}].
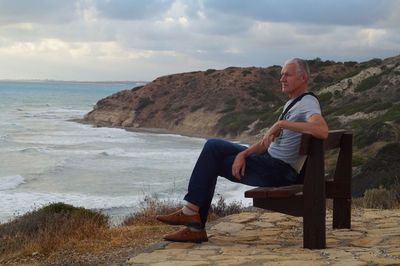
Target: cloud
[
  {"x": 131, "y": 9},
  {"x": 31, "y": 11},
  {"x": 335, "y": 12}
]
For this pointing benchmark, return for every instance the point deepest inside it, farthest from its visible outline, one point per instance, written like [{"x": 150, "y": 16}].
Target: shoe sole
[
  {"x": 180, "y": 223},
  {"x": 191, "y": 241}
]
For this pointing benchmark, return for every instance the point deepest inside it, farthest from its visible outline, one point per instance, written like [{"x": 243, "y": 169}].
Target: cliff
[
  {"x": 192, "y": 103},
  {"x": 241, "y": 103}
]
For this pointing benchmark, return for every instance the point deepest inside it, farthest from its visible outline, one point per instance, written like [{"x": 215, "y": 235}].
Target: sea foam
[
  {"x": 14, "y": 204},
  {"x": 11, "y": 182}
]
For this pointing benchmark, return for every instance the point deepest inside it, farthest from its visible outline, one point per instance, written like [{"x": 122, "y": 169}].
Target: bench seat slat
[
  {"x": 292, "y": 205},
  {"x": 274, "y": 192}
]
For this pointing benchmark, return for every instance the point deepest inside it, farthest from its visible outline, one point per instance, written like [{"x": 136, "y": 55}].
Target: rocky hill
[{"x": 241, "y": 103}]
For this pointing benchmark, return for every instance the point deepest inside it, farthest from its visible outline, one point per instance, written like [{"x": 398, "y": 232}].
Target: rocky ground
[{"x": 276, "y": 239}]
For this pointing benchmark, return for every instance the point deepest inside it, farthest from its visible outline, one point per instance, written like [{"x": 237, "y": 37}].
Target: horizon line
[{"x": 76, "y": 81}]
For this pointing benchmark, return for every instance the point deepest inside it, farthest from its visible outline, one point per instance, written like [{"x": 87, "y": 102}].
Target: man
[{"x": 273, "y": 161}]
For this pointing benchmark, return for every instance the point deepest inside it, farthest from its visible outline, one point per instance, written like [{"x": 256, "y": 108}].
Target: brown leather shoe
[
  {"x": 186, "y": 235},
  {"x": 178, "y": 218}
]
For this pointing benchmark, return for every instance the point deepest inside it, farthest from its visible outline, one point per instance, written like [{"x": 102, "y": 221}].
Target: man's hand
[
  {"x": 271, "y": 134},
  {"x": 239, "y": 166}
]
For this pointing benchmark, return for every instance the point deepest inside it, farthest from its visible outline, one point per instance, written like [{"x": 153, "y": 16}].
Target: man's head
[{"x": 294, "y": 77}]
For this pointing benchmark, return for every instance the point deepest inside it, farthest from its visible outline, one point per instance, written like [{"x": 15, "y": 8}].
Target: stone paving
[{"x": 276, "y": 239}]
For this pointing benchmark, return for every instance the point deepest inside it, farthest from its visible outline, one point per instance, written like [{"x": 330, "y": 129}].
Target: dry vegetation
[
  {"x": 380, "y": 198},
  {"x": 60, "y": 234}
]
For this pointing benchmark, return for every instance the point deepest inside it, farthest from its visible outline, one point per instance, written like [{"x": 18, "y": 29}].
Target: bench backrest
[{"x": 314, "y": 169}]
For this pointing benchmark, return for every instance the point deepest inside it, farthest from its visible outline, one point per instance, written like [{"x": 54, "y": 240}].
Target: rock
[{"x": 229, "y": 228}]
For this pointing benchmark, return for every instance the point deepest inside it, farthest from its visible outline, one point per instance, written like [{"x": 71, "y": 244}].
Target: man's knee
[{"x": 211, "y": 143}]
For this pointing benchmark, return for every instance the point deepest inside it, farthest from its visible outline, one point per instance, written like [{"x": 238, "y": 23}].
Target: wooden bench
[{"x": 309, "y": 199}]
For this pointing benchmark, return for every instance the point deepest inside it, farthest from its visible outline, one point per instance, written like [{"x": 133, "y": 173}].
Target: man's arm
[
  {"x": 239, "y": 164},
  {"x": 315, "y": 125}
]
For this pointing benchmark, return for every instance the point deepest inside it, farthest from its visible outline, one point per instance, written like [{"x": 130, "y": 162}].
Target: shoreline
[{"x": 243, "y": 140}]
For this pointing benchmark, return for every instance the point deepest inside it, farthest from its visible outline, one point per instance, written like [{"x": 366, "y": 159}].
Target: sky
[{"x": 139, "y": 40}]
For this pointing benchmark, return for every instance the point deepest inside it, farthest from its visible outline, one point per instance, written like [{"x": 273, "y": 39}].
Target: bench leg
[
  {"x": 314, "y": 231},
  {"x": 314, "y": 199},
  {"x": 342, "y": 181},
  {"x": 341, "y": 213}
]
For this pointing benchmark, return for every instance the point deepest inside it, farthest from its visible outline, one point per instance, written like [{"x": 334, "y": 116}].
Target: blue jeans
[{"x": 216, "y": 159}]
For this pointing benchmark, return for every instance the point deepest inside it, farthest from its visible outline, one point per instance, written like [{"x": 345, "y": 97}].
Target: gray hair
[{"x": 302, "y": 66}]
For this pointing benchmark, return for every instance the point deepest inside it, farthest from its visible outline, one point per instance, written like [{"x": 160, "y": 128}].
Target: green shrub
[
  {"x": 367, "y": 106},
  {"x": 143, "y": 102},
  {"x": 349, "y": 82},
  {"x": 368, "y": 131},
  {"x": 317, "y": 62},
  {"x": 261, "y": 94},
  {"x": 368, "y": 83},
  {"x": 358, "y": 160},
  {"x": 377, "y": 106},
  {"x": 266, "y": 117},
  {"x": 230, "y": 105},
  {"x": 350, "y": 74},
  {"x": 338, "y": 94},
  {"x": 50, "y": 217},
  {"x": 51, "y": 227},
  {"x": 324, "y": 98},
  {"x": 371, "y": 63},
  {"x": 350, "y": 63},
  {"x": 323, "y": 79},
  {"x": 246, "y": 72},
  {"x": 209, "y": 71},
  {"x": 196, "y": 107},
  {"x": 236, "y": 122},
  {"x": 392, "y": 114},
  {"x": 328, "y": 109},
  {"x": 275, "y": 73},
  {"x": 367, "y": 134}
]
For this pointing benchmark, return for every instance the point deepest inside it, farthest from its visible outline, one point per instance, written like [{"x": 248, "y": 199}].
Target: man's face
[{"x": 291, "y": 80}]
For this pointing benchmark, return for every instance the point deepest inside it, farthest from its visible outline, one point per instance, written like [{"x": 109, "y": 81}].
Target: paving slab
[{"x": 267, "y": 238}]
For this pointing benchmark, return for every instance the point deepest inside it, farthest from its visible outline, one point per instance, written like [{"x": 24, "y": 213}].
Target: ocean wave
[
  {"x": 21, "y": 149},
  {"x": 11, "y": 182},
  {"x": 13, "y": 204},
  {"x": 69, "y": 140},
  {"x": 143, "y": 154},
  {"x": 71, "y": 134},
  {"x": 29, "y": 150}
]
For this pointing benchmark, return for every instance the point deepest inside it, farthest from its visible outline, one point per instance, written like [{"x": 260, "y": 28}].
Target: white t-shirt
[{"x": 286, "y": 146}]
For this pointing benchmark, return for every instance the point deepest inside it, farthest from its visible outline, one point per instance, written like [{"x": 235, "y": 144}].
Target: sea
[{"x": 46, "y": 157}]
